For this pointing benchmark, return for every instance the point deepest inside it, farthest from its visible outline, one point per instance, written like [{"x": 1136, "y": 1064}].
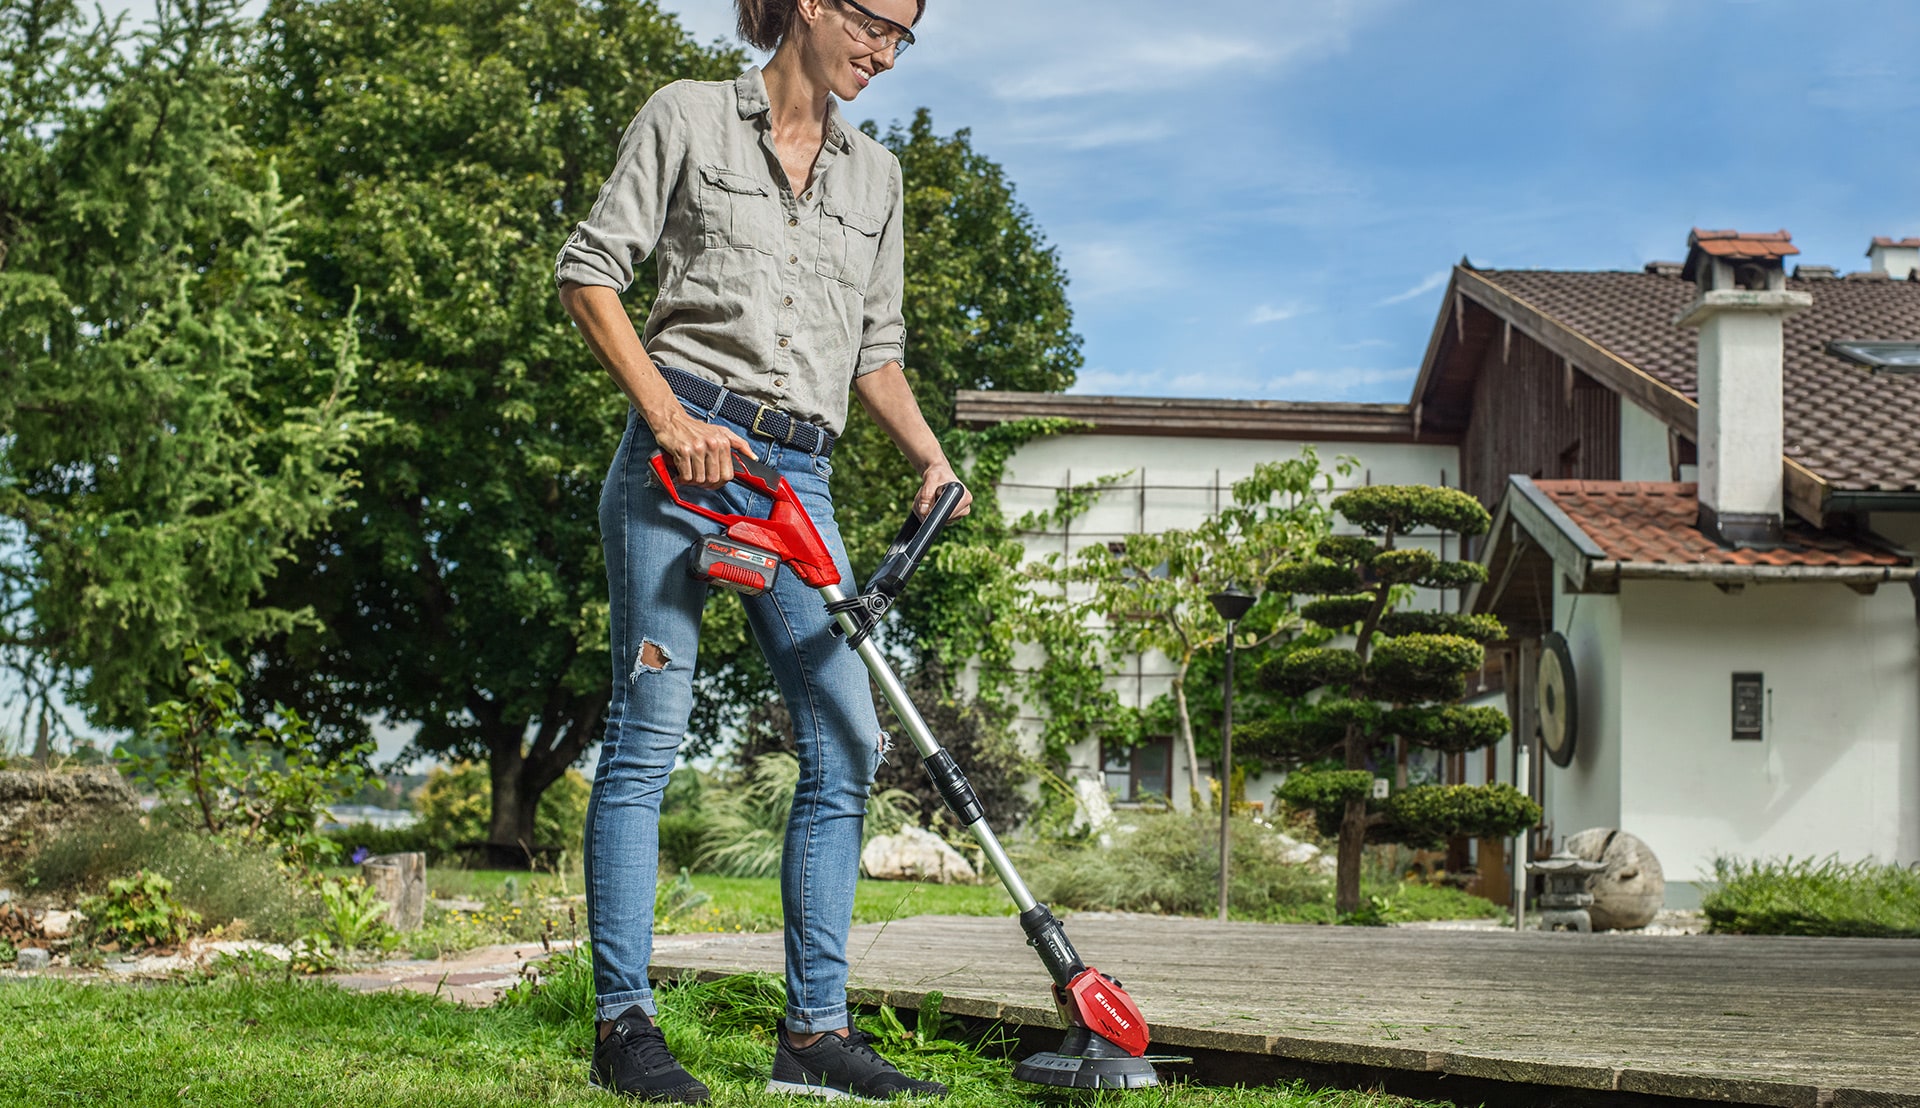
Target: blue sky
[{"x": 1261, "y": 198}]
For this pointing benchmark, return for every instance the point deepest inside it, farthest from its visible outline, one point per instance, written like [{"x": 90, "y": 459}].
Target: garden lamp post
[{"x": 1232, "y": 603}]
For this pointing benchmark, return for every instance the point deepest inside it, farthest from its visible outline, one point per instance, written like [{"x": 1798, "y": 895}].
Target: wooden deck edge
[{"x": 1697, "y": 1087}]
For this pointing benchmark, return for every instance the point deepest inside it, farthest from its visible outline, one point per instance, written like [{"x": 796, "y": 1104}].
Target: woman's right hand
[{"x": 702, "y": 452}]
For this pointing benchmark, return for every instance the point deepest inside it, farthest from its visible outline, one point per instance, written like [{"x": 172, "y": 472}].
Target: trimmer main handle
[
  {"x": 787, "y": 532},
  {"x": 916, "y": 537}
]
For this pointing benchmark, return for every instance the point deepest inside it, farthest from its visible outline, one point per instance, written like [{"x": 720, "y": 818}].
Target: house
[{"x": 1706, "y": 481}]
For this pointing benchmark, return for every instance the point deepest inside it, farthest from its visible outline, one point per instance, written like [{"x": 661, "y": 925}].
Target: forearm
[
  {"x": 603, "y": 323},
  {"x": 888, "y": 398}
]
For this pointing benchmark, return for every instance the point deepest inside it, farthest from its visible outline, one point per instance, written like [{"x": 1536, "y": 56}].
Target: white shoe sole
[{"x": 823, "y": 1092}]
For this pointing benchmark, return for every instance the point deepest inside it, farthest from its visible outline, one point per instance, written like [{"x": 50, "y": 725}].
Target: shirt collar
[{"x": 750, "y": 90}]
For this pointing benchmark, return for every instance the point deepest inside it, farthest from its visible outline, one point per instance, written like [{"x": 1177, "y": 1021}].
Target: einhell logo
[{"x": 1101, "y": 999}]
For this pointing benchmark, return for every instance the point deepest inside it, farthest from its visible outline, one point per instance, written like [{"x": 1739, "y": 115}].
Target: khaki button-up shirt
[{"x": 782, "y": 298}]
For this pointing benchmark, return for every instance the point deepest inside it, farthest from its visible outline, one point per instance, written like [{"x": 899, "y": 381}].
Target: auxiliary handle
[{"x": 916, "y": 537}]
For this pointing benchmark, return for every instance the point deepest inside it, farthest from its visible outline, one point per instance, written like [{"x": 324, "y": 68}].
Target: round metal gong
[{"x": 1559, "y": 699}]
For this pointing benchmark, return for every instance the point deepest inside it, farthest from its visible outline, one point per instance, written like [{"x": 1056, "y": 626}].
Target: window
[
  {"x": 1138, "y": 774},
  {"x": 1889, "y": 357}
]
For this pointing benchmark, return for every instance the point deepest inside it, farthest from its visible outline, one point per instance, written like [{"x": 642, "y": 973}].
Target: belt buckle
[{"x": 785, "y": 440}]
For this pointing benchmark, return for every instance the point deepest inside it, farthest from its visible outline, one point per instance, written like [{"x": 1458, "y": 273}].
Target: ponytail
[{"x": 764, "y": 22}]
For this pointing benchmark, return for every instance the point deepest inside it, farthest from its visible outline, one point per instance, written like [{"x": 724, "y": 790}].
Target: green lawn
[{"x": 240, "y": 1040}]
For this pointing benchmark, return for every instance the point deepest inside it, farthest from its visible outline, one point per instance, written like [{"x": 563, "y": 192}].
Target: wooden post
[{"x": 401, "y": 881}]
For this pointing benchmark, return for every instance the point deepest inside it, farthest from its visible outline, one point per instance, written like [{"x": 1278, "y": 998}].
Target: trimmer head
[
  {"x": 1087, "y": 1061},
  {"x": 1106, "y": 1040}
]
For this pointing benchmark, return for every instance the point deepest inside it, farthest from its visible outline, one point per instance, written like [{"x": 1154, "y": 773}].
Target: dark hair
[{"x": 764, "y": 22}]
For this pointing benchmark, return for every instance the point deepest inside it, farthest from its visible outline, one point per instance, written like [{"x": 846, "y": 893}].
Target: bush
[
  {"x": 456, "y": 803},
  {"x": 1404, "y": 566},
  {"x": 1479, "y": 628},
  {"x": 140, "y": 911},
  {"x": 1431, "y": 813},
  {"x": 1377, "y": 509},
  {"x": 1302, "y": 671},
  {"x": 1324, "y": 790},
  {"x": 1336, "y": 612},
  {"x": 385, "y": 840},
  {"x": 221, "y": 880},
  {"x": 1452, "y": 729},
  {"x": 1813, "y": 897},
  {"x": 747, "y": 824},
  {"x": 1170, "y": 863}
]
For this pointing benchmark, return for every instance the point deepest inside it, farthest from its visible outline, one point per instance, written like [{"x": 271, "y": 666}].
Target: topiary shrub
[{"x": 1394, "y": 684}]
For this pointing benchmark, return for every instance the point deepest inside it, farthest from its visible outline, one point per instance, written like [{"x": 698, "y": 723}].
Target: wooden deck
[{"x": 1797, "y": 1023}]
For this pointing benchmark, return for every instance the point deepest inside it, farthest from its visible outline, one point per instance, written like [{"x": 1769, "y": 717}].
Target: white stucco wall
[
  {"x": 1644, "y": 454},
  {"x": 1174, "y": 482},
  {"x": 1839, "y": 769},
  {"x": 1587, "y": 793}
]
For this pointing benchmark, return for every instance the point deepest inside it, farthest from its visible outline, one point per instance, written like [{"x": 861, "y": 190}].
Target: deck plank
[{"x": 1745, "y": 1019}]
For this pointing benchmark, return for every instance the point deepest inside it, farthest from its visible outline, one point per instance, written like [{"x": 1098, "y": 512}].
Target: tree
[
  {"x": 1149, "y": 592},
  {"x": 1396, "y": 682},
  {"x": 445, "y": 150},
  {"x": 172, "y": 422}
]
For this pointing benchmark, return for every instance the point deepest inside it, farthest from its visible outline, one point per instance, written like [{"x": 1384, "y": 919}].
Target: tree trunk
[
  {"x": 43, "y": 743},
  {"x": 510, "y": 832},
  {"x": 1353, "y": 842},
  {"x": 1201, "y": 800}
]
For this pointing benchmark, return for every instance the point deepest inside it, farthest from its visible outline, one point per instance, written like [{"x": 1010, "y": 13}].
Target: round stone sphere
[{"x": 1631, "y": 889}]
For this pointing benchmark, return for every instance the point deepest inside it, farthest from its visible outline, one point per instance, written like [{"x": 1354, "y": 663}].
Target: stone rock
[
  {"x": 1631, "y": 890},
  {"x": 401, "y": 881},
  {"x": 30, "y": 959},
  {"x": 1092, "y": 811},
  {"x": 6, "y": 896},
  {"x": 56, "y": 924},
  {"x": 41, "y": 800},
  {"x": 914, "y": 854}
]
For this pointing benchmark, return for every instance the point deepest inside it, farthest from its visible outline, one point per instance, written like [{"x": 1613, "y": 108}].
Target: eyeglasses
[{"x": 881, "y": 32}]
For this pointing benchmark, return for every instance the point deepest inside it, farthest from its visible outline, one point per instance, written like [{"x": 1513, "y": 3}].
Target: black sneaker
[
  {"x": 633, "y": 1060},
  {"x": 836, "y": 1067}
]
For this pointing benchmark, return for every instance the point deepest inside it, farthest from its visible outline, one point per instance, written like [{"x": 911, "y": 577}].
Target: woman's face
[{"x": 845, "y": 49}]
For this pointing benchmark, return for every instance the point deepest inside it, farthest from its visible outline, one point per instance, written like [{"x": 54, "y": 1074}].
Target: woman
[{"x": 776, "y": 230}]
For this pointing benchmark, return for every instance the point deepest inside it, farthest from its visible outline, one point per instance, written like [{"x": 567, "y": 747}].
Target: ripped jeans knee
[{"x": 651, "y": 658}]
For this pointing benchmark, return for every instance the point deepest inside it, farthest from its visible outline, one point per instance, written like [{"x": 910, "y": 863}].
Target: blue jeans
[{"x": 655, "y": 616}]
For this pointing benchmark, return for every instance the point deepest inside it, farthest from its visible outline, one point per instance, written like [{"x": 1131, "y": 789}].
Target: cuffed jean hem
[
  {"x": 806, "y": 1021},
  {"x": 610, "y": 1007}
]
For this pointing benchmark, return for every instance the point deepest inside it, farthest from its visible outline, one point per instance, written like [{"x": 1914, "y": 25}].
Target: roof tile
[
  {"x": 1657, "y": 522},
  {"x": 1858, "y": 430}
]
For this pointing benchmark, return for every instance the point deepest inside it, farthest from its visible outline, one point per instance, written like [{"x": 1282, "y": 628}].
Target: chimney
[
  {"x": 1740, "y": 311},
  {"x": 1897, "y": 258}
]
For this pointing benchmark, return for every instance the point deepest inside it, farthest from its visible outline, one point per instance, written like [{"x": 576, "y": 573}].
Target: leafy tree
[
  {"x": 445, "y": 150},
  {"x": 255, "y": 783},
  {"x": 1149, "y": 593},
  {"x": 171, "y": 422},
  {"x": 1394, "y": 682}
]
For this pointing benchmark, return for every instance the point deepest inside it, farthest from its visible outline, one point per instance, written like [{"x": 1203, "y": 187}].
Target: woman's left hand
[{"x": 936, "y": 477}]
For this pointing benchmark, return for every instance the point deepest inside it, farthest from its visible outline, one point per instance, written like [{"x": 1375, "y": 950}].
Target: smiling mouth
[{"x": 862, "y": 76}]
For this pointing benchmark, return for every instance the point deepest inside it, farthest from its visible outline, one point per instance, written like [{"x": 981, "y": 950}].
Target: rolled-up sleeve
[
  {"x": 627, "y": 218},
  {"x": 883, "y": 335}
]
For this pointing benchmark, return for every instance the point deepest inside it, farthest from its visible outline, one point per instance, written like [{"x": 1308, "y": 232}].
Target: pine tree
[
  {"x": 1396, "y": 681},
  {"x": 170, "y": 423}
]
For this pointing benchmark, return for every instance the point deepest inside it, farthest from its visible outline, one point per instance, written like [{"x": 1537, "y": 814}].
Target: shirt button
[
  {"x": 789, "y": 301},
  {"x": 779, "y": 382},
  {"x": 808, "y": 196},
  {"x": 793, "y": 223},
  {"x": 783, "y": 342},
  {"x": 793, "y": 259}
]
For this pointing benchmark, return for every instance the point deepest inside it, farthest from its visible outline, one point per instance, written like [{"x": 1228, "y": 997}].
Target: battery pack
[{"x": 731, "y": 564}]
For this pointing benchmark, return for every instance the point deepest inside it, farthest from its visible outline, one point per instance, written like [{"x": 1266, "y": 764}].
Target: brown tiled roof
[
  {"x": 1883, "y": 240},
  {"x": 1743, "y": 245},
  {"x": 1859, "y": 431},
  {"x": 1650, "y": 522}
]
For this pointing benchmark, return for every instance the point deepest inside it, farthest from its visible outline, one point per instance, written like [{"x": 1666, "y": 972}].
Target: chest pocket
[
  {"x": 849, "y": 242},
  {"x": 736, "y": 211}
]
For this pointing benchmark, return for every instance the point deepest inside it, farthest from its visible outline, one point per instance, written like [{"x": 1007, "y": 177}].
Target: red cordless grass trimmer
[{"x": 1106, "y": 1041}]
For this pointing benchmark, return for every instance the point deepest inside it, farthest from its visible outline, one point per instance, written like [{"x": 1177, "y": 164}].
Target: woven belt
[{"x": 760, "y": 421}]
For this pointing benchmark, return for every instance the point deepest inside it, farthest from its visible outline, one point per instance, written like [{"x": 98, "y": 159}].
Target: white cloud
[
  {"x": 1324, "y": 384},
  {"x": 1421, "y": 289},
  {"x": 1275, "y": 313}
]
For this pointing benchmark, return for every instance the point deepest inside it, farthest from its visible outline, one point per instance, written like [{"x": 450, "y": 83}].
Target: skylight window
[{"x": 1888, "y": 357}]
